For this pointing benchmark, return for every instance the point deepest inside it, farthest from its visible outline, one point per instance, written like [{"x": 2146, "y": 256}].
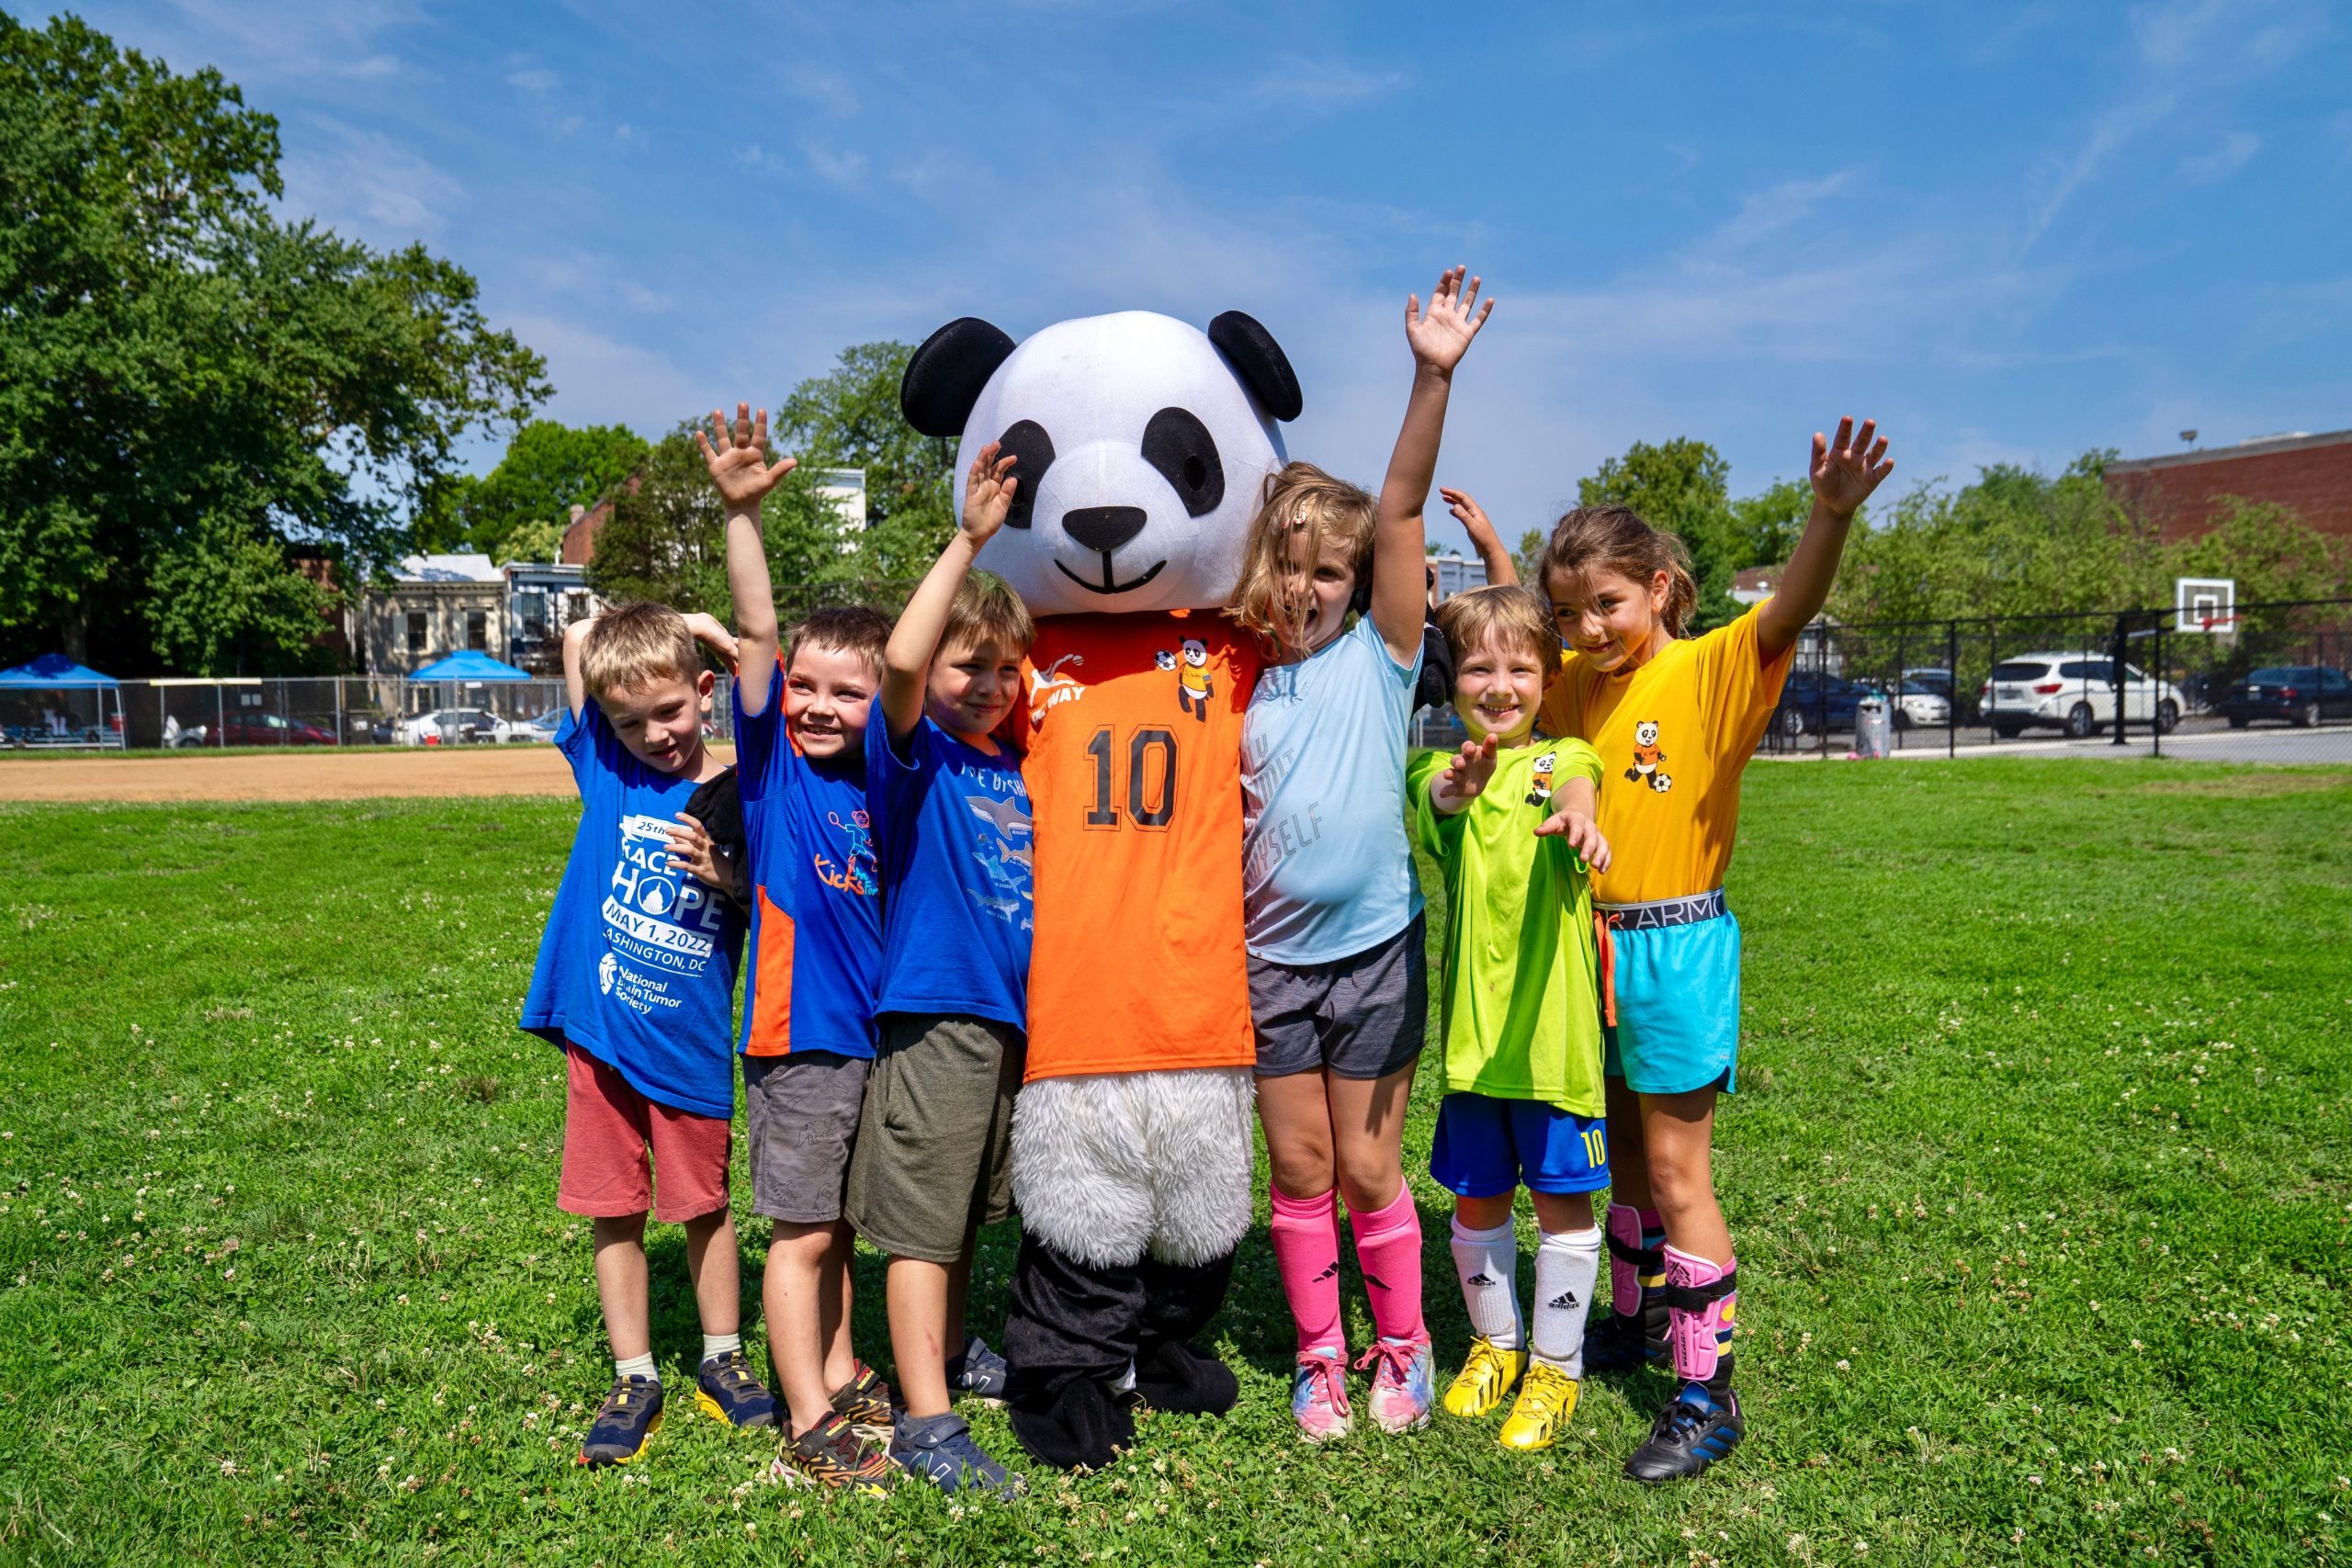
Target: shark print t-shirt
[
  {"x": 638, "y": 964},
  {"x": 951, "y": 827},
  {"x": 816, "y": 893}
]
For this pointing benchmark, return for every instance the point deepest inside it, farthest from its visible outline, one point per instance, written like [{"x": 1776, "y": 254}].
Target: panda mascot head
[{"x": 1142, "y": 443}]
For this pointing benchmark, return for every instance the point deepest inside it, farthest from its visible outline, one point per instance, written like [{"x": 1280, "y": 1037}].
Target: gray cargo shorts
[
  {"x": 934, "y": 1159},
  {"x": 801, "y": 1112}
]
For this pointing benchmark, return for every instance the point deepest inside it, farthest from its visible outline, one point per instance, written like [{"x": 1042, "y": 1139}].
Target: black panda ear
[
  {"x": 947, "y": 374},
  {"x": 1263, "y": 367}
]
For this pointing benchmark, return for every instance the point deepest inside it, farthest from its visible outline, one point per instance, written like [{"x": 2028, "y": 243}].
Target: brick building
[{"x": 2183, "y": 494}]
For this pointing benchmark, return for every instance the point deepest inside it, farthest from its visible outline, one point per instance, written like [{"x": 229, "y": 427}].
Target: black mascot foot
[
  {"x": 1186, "y": 1382},
  {"x": 1078, "y": 1427}
]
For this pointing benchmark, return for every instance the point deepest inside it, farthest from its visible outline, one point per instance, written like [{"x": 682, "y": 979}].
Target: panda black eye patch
[
  {"x": 1181, "y": 448},
  {"x": 1026, "y": 441}
]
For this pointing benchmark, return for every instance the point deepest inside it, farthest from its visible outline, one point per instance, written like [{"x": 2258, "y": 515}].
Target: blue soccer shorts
[
  {"x": 1678, "y": 1006},
  {"x": 1486, "y": 1147}
]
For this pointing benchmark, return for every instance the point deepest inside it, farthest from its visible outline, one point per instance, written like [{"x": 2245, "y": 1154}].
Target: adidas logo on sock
[
  {"x": 1330, "y": 1269},
  {"x": 1479, "y": 1281},
  {"x": 1565, "y": 1302}
]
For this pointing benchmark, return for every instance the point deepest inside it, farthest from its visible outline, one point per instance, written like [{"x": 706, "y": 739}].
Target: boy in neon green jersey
[{"x": 1524, "y": 1103}]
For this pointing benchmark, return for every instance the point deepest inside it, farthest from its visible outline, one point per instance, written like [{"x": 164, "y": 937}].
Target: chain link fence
[{"x": 2269, "y": 683}]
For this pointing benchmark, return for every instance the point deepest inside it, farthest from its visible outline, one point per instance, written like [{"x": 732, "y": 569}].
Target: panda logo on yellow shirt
[
  {"x": 1539, "y": 773},
  {"x": 1649, "y": 759}
]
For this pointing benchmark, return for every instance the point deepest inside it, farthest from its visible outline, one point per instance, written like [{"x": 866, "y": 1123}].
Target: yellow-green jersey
[{"x": 1521, "y": 1014}]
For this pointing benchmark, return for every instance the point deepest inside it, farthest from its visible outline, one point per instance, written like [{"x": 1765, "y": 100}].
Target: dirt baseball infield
[{"x": 306, "y": 774}]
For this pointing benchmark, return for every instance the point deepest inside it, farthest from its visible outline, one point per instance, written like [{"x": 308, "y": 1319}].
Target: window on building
[
  {"x": 416, "y": 631},
  {"x": 478, "y": 630}
]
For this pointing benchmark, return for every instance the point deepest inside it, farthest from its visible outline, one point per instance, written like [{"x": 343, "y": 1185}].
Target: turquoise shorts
[{"x": 1677, "y": 990}]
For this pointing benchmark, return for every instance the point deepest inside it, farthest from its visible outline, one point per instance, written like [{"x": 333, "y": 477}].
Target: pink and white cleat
[
  {"x": 1318, "y": 1395},
  {"x": 1403, "y": 1383}
]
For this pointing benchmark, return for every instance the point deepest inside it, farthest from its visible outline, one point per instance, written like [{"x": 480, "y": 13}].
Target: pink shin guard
[
  {"x": 1632, "y": 1233},
  {"x": 1700, "y": 1299},
  {"x": 1306, "y": 1255},
  {"x": 1388, "y": 1250}
]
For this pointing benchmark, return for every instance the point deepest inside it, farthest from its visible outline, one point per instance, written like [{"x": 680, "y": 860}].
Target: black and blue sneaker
[
  {"x": 631, "y": 1414},
  {"x": 1700, "y": 1428},
  {"x": 978, "y": 1371},
  {"x": 729, "y": 1390},
  {"x": 940, "y": 1449}
]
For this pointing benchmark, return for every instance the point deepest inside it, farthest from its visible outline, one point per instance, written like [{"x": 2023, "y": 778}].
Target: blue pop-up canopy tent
[
  {"x": 469, "y": 665},
  {"x": 55, "y": 672}
]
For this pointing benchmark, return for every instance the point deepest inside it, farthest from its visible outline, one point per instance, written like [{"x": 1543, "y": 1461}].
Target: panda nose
[{"x": 1104, "y": 528}]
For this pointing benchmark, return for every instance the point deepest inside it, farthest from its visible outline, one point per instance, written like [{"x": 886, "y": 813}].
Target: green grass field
[{"x": 2038, "y": 1174}]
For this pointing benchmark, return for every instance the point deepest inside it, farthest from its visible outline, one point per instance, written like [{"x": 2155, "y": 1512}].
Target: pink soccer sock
[
  {"x": 1306, "y": 1255},
  {"x": 1701, "y": 1336},
  {"x": 1388, "y": 1250}
]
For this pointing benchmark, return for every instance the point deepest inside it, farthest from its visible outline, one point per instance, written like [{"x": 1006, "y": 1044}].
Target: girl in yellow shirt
[{"x": 1675, "y": 721}]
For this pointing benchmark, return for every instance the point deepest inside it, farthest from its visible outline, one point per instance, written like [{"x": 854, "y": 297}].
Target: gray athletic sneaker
[
  {"x": 940, "y": 1449},
  {"x": 978, "y": 1371}
]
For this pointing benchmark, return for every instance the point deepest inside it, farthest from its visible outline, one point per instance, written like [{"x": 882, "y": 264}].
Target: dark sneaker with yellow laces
[
  {"x": 979, "y": 1373},
  {"x": 631, "y": 1414},
  {"x": 1700, "y": 1428},
  {"x": 729, "y": 1389},
  {"x": 940, "y": 1449},
  {"x": 832, "y": 1455},
  {"x": 868, "y": 1403}
]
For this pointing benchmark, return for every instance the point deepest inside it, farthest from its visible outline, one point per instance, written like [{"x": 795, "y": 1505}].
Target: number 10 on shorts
[
  {"x": 1134, "y": 780},
  {"x": 1596, "y": 1148}
]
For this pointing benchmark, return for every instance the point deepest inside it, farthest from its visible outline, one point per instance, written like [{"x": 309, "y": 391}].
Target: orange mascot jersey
[{"x": 1133, "y": 769}]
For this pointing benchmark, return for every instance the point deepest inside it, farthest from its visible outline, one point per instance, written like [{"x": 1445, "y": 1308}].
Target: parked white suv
[
  {"x": 2074, "y": 692},
  {"x": 457, "y": 724}
]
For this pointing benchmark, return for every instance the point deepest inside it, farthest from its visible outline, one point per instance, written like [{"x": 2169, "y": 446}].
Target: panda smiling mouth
[{"x": 1109, "y": 583}]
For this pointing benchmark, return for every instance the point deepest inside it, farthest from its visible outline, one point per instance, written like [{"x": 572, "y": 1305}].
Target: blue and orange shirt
[{"x": 816, "y": 892}]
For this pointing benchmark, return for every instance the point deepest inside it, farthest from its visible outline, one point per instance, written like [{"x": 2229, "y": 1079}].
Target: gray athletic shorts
[
  {"x": 1363, "y": 1017},
  {"x": 933, "y": 1157},
  {"x": 801, "y": 1112}
]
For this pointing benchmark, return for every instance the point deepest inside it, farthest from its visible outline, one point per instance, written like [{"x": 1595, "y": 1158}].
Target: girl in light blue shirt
[{"x": 1339, "y": 991}]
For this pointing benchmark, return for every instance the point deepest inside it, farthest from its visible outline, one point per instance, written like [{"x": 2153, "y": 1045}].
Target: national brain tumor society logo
[{"x": 605, "y": 973}]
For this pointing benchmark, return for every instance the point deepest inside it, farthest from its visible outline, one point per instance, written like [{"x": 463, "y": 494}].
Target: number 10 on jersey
[{"x": 1135, "y": 779}]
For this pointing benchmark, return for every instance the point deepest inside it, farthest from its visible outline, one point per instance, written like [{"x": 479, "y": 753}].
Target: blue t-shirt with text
[
  {"x": 816, "y": 892},
  {"x": 636, "y": 966},
  {"x": 952, "y": 824},
  {"x": 1326, "y": 872}
]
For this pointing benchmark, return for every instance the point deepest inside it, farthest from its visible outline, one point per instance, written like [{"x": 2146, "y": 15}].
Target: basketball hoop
[{"x": 2205, "y": 606}]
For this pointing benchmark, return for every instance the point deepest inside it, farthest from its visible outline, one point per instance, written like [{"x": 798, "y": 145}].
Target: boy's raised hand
[
  {"x": 1466, "y": 776},
  {"x": 738, "y": 459},
  {"x": 988, "y": 494},
  {"x": 1440, "y": 335},
  {"x": 1845, "y": 471},
  {"x": 707, "y": 631}
]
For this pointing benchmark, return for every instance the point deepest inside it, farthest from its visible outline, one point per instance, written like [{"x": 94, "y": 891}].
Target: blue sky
[{"x": 2010, "y": 231}]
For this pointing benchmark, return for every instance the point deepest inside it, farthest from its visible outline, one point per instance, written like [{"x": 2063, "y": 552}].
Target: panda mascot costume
[{"x": 1143, "y": 446}]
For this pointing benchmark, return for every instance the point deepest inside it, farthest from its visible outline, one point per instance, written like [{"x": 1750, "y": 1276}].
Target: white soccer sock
[
  {"x": 717, "y": 1345},
  {"x": 1486, "y": 1262},
  {"x": 1566, "y": 1264},
  {"x": 637, "y": 1366}
]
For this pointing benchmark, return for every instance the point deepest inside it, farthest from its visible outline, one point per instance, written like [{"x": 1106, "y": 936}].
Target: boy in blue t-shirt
[
  {"x": 814, "y": 894},
  {"x": 932, "y": 1162},
  {"x": 636, "y": 981}
]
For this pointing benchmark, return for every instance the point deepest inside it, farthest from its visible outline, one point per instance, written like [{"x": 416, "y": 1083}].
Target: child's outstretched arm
[
  {"x": 1465, "y": 777},
  {"x": 906, "y": 658},
  {"x": 1579, "y": 802},
  {"x": 1439, "y": 336},
  {"x": 1501, "y": 570},
  {"x": 714, "y": 637},
  {"x": 1844, "y": 473},
  {"x": 738, "y": 466},
  {"x": 575, "y": 686}
]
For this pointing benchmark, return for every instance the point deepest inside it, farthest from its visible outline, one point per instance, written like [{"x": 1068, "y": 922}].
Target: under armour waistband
[{"x": 1660, "y": 913}]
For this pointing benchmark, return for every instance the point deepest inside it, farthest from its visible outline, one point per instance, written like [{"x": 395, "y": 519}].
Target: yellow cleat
[
  {"x": 1487, "y": 1375},
  {"x": 1541, "y": 1413}
]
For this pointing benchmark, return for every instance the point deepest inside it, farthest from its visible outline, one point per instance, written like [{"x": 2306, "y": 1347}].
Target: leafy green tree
[
  {"x": 2273, "y": 554},
  {"x": 1763, "y": 529},
  {"x": 189, "y": 386},
  {"x": 549, "y": 468},
  {"x": 849, "y": 418}
]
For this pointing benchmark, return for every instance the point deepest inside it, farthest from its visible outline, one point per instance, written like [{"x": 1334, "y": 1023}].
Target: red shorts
[{"x": 608, "y": 1129}]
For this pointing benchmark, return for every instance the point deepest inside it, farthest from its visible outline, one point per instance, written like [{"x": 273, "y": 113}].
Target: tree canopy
[
  {"x": 549, "y": 468},
  {"x": 193, "y": 390}
]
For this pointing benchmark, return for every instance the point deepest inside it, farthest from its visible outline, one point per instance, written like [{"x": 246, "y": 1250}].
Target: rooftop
[
  {"x": 447, "y": 569},
  {"x": 2253, "y": 446}
]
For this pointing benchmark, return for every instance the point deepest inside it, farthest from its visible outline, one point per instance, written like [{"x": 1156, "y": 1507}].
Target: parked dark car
[
  {"x": 270, "y": 729},
  {"x": 1813, "y": 701},
  {"x": 2302, "y": 694}
]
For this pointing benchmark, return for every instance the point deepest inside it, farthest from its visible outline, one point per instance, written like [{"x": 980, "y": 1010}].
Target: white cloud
[
  {"x": 836, "y": 168},
  {"x": 535, "y": 79},
  {"x": 1324, "y": 83},
  {"x": 365, "y": 184},
  {"x": 2225, "y": 158},
  {"x": 600, "y": 379}
]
